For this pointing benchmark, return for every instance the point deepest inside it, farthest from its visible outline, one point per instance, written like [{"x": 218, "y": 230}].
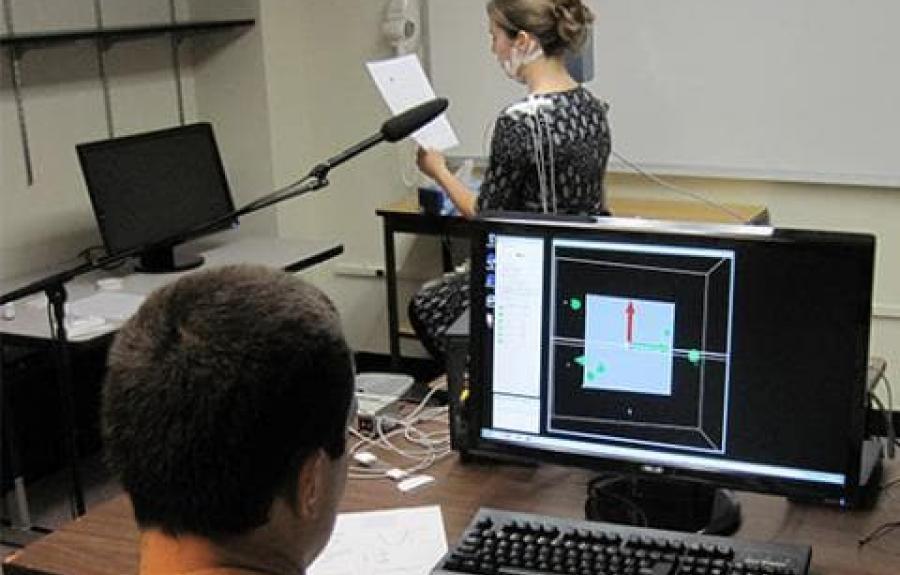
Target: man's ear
[{"x": 311, "y": 484}]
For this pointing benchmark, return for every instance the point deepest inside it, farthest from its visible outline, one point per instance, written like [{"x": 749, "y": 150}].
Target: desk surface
[
  {"x": 104, "y": 542},
  {"x": 633, "y": 208},
  {"x": 220, "y": 249}
]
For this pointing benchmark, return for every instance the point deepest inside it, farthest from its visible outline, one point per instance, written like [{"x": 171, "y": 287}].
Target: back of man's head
[{"x": 217, "y": 390}]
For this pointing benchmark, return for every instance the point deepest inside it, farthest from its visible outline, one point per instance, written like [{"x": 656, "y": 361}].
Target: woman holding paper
[{"x": 548, "y": 152}]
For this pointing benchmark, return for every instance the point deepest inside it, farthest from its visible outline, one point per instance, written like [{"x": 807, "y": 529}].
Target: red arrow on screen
[{"x": 629, "y": 313}]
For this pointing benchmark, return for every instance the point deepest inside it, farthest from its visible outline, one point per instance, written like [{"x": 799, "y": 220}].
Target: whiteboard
[{"x": 789, "y": 90}]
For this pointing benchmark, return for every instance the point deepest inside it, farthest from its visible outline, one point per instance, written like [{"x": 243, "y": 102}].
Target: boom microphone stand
[{"x": 393, "y": 130}]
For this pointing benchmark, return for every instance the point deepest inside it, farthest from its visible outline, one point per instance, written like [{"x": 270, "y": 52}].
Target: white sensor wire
[
  {"x": 691, "y": 194},
  {"x": 420, "y": 448}
]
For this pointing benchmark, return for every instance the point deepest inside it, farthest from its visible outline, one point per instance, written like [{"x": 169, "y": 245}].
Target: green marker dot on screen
[
  {"x": 694, "y": 356},
  {"x": 601, "y": 368},
  {"x": 590, "y": 376},
  {"x": 575, "y": 304}
]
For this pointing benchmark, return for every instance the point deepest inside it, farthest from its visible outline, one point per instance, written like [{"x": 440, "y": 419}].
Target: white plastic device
[{"x": 401, "y": 25}]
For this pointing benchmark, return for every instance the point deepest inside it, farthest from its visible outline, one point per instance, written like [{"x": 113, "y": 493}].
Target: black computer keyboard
[{"x": 507, "y": 543}]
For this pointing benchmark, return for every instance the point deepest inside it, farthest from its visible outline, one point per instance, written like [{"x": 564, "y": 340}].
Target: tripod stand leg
[{"x": 57, "y": 298}]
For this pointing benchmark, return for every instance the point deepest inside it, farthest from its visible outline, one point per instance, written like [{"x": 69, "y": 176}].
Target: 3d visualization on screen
[
  {"x": 629, "y": 321},
  {"x": 672, "y": 352}
]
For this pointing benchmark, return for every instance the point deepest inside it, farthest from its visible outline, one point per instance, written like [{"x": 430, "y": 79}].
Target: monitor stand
[
  {"x": 676, "y": 505},
  {"x": 164, "y": 261}
]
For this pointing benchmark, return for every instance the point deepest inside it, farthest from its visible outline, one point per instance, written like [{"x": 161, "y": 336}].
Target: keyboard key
[{"x": 661, "y": 568}]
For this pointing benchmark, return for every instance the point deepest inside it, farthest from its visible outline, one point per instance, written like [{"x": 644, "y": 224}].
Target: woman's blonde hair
[{"x": 559, "y": 25}]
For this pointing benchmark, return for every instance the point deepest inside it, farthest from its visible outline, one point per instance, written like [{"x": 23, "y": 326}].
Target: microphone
[
  {"x": 406, "y": 123},
  {"x": 393, "y": 130}
]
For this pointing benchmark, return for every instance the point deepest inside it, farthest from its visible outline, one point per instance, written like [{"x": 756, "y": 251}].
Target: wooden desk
[
  {"x": 404, "y": 216},
  {"x": 104, "y": 542}
]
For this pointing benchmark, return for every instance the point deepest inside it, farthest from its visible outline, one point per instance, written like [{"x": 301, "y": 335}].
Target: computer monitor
[
  {"x": 732, "y": 356},
  {"x": 152, "y": 191}
]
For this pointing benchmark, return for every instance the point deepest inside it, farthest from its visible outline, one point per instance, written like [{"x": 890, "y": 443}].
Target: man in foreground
[{"x": 225, "y": 409}]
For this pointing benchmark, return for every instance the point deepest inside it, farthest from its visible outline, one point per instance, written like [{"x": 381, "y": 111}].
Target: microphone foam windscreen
[{"x": 407, "y": 122}]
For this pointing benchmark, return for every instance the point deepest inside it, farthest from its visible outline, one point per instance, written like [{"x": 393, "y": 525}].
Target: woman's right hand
[{"x": 431, "y": 162}]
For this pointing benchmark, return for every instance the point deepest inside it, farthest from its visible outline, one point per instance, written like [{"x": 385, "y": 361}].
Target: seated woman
[{"x": 548, "y": 152}]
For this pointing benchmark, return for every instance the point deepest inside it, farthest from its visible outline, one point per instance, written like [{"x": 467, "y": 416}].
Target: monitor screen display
[
  {"x": 730, "y": 354},
  {"x": 155, "y": 187}
]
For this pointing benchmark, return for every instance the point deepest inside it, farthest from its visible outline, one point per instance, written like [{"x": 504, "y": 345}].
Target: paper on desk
[
  {"x": 403, "y": 84},
  {"x": 110, "y": 305},
  {"x": 395, "y": 542}
]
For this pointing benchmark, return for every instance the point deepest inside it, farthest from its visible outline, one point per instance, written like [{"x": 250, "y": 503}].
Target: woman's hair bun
[
  {"x": 573, "y": 20},
  {"x": 559, "y": 25}
]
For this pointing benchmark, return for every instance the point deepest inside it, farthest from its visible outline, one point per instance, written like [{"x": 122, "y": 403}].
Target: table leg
[
  {"x": 390, "y": 265},
  {"x": 446, "y": 254}
]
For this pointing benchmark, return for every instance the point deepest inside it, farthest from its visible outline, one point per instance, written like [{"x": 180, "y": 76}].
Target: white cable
[
  {"x": 888, "y": 422},
  {"x": 426, "y": 449},
  {"x": 890, "y": 394},
  {"x": 538, "y": 159},
  {"x": 542, "y": 164},
  {"x": 694, "y": 195},
  {"x": 891, "y": 432},
  {"x": 552, "y": 162},
  {"x": 425, "y": 400}
]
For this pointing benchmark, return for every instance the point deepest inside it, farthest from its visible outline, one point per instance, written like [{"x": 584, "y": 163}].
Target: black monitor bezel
[
  {"x": 206, "y": 129},
  {"x": 849, "y": 495}
]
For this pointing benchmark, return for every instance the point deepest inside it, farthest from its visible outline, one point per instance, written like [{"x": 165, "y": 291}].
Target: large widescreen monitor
[
  {"x": 730, "y": 355},
  {"x": 152, "y": 191}
]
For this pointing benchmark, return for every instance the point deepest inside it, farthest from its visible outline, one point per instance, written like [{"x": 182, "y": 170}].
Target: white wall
[
  {"x": 321, "y": 101},
  {"x": 49, "y": 222},
  {"x": 231, "y": 86}
]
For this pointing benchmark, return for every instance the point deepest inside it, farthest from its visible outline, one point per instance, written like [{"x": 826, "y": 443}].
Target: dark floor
[{"x": 48, "y": 499}]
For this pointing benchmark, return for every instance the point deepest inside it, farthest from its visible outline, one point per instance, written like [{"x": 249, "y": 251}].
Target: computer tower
[
  {"x": 463, "y": 431},
  {"x": 458, "y": 391}
]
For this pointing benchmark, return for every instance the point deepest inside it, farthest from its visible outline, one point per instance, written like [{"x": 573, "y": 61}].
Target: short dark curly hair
[{"x": 216, "y": 392}]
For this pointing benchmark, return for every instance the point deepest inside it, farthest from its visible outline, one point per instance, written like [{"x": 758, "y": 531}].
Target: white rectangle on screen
[
  {"x": 628, "y": 345},
  {"x": 515, "y": 413},
  {"x": 519, "y": 292}
]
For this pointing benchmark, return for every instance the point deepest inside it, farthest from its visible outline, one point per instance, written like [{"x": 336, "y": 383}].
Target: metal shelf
[
  {"x": 102, "y": 37},
  {"x": 38, "y": 39}
]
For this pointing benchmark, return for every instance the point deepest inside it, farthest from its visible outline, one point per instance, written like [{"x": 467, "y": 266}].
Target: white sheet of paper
[
  {"x": 406, "y": 541},
  {"x": 403, "y": 84},
  {"x": 110, "y": 305}
]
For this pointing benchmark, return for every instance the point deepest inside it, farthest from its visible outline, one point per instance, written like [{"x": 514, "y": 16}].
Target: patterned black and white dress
[{"x": 548, "y": 154}]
